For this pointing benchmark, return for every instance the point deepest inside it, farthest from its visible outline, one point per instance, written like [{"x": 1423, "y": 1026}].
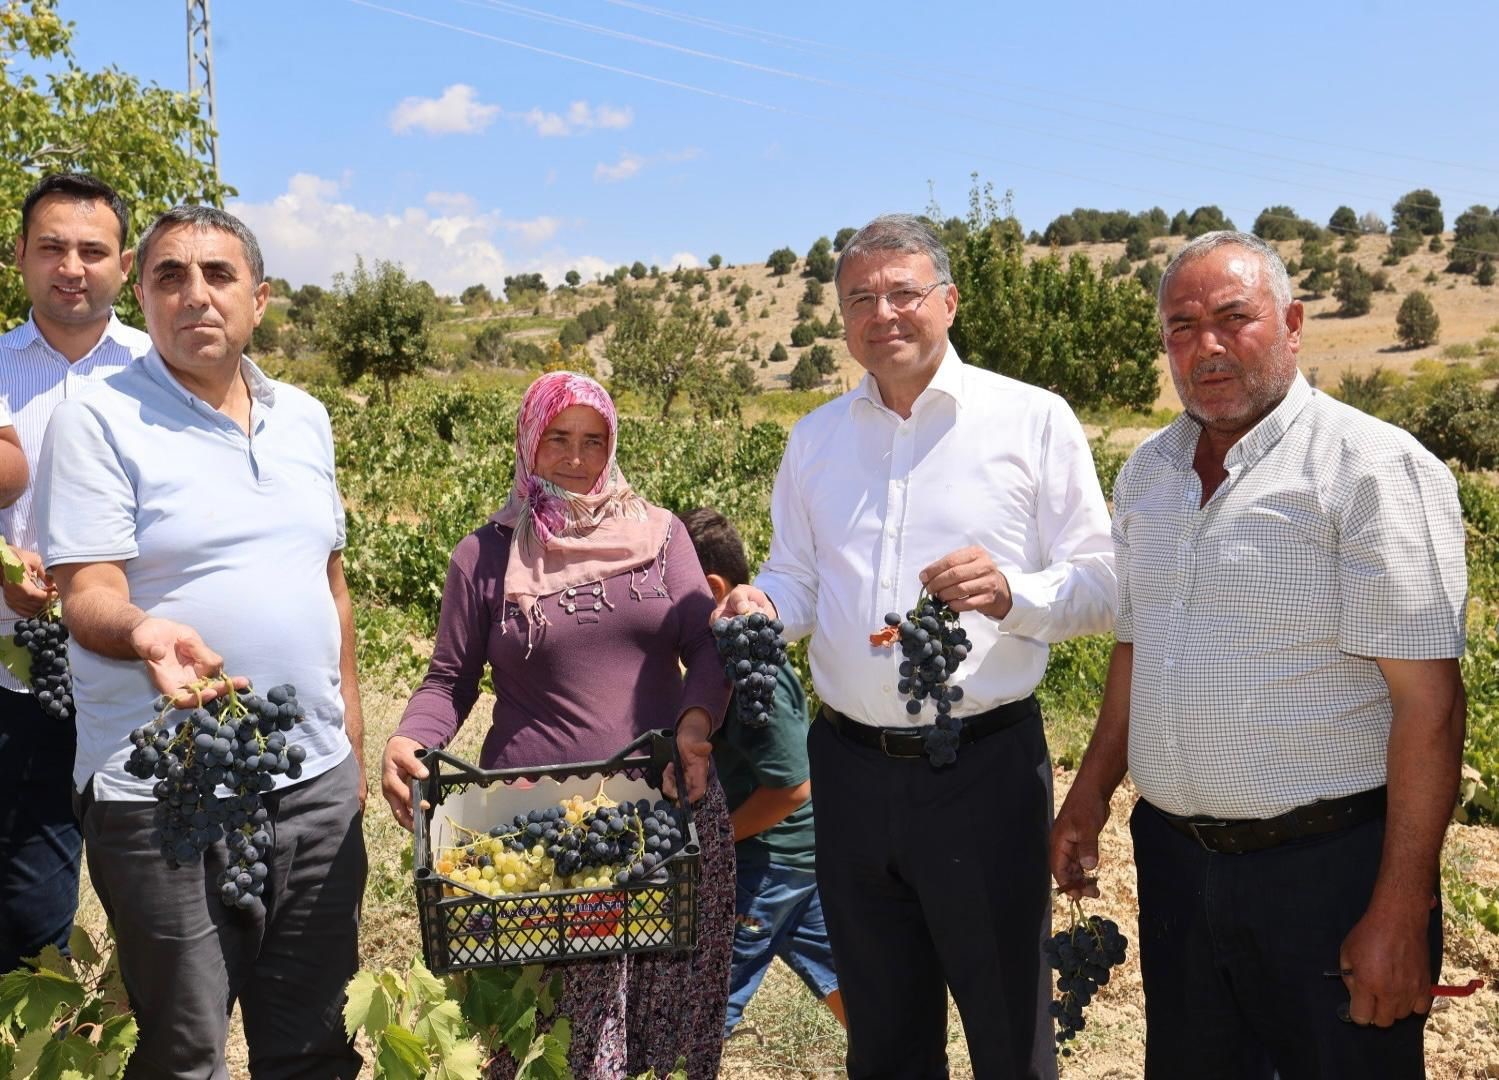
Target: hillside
[{"x": 1332, "y": 345}]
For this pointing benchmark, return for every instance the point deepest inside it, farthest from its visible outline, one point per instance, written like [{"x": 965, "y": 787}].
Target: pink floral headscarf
[{"x": 562, "y": 539}]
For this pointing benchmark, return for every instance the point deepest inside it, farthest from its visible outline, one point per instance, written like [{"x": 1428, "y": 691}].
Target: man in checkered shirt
[{"x": 1285, "y": 693}]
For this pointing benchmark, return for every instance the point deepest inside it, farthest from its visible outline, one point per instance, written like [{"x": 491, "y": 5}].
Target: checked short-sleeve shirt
[{"x": 1255, "y": 620}]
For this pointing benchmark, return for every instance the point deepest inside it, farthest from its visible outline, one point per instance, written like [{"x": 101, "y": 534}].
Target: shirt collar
[
  {"x": 262, "y": 388},
  {"x": 1178, "y": 440},
  {"x": 947, "y": 379},
  {"x": 28, "y": 334}
]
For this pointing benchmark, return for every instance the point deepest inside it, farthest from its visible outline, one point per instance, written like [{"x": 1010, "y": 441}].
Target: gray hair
[
  {"x": 1275, "y": 270},
  {"x": 896, "y": 232},
  {"x": 204, "y": 218}
]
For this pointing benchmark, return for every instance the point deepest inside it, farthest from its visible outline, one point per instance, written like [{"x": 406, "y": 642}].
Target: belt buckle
[
  {"x": 1197, "y": 826},
  {"x": 884, "y": 746}
]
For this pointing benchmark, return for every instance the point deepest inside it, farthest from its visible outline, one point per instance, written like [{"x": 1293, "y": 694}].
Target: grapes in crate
[
  {"x": 753, "y": 651},
  {"x": 211, "y": 766},
  {"x": 1082, "y": 956},
  {"x": 933, "y": 644},
  {"x": 46, "y": 639},
  {"x": 577, "y": 844}
]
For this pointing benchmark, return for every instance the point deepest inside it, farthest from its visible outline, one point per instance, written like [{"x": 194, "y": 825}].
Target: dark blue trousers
[
  {"x": 39, "y": 838},
  {"x": 1233, "y": 950},
  {"x": 935, "y": 880}
]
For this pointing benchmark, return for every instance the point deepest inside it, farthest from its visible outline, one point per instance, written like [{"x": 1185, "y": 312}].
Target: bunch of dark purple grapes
[
  {"x": 46, "y": 639},
  {"x": 636, "y": 837},
  {"x": 933, "y": 643},
  {"x": 1082, "y": 956},
  {"x": 753, "y": 651},
  {"x": 236, "y": 742}
]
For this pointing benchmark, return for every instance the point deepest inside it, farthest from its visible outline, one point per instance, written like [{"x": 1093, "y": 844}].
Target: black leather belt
[
  {"x": 1256, "y": 834},
  {"x": 911, "y": 742}
]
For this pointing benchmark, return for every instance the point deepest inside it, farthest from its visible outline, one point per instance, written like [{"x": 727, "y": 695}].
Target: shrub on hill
[
  {"x": 803, "y": 334},
  {"x": 1417, "y": 322},
  {"x": 1419, "y": 212},
  {"x": 805, "y": 375},
  {"x": 778, "y": 354},
  {"x": 1135, "y": 248},
  {"x": 1354, "y": 289},
  {"x": 781, "y": 261},
  {"x": 1475, "y": 239},
  {"x": 823, "y": 358},
  {"x": 715, "y": 261},
  {"x": 1343, "y": 221},
  {"x": 820, "y": 260},
  {"x": 843, "y": 236}
]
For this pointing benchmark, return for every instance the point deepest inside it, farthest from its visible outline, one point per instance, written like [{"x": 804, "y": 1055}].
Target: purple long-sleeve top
[{"x": 607, "y": 666}]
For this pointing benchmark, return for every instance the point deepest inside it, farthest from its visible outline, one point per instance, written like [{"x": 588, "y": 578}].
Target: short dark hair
[
  {"x": 76, "y": 186},
  {"x": 204, "y": 219},
  {"x": 718, "y": 546}
]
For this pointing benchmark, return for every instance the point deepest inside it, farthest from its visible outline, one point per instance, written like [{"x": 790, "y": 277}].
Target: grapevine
[
  {"x": 933, "y": 644},
  {"x": 1082, "y": 956},
  {"x": 236, "y": 742},
  {"x": 753, "y": 652}
]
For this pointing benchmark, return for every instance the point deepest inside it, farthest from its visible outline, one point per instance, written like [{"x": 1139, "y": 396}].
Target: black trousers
[
  {"x": 1233, "y": 949},
  {"x": 40, "y": 843},
  {"x": 936, "y": 879}
]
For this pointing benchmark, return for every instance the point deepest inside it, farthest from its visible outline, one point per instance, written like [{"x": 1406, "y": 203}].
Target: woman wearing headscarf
[{"x": 591, "y": 609}]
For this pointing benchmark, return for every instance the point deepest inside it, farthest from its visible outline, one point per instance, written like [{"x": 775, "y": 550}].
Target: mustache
[{"x": 1216, "y": 367}]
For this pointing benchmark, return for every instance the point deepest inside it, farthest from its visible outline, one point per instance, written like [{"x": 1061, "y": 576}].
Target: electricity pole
[{"x": 200, "y": 71}]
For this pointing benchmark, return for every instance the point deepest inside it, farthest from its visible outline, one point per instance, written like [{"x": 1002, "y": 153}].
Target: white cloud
[
  {"x": 311, "y": 232},
  {"x": 456, "y": 112},
  {"x": 627, "y": 166},
  {"x": 580, "y": 117},
  {"x": 685, "y": 259}
]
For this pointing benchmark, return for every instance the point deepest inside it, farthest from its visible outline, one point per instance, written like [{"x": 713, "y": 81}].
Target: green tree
[
  {"x": 1179, "y": 224},
  {"x": 843, "y": 236},
  {"x": 1280, "y": 223},
  {"x": 572, "y": 279},
  {"x": 476, "y": 294},
  {"x": 812, "y": 294},
  {"x": 490, "y": 346},
  {"x": 832, "y": 328},
  {"x": 1485, "y": 275},
  {"x": 664, "y": 357},
  {"x": 1206, "y": 219},
  {"x": 572, "y": 334},
  {"x": 1354, "y": 289},
  {"x": 518, "y": 285},
  {"x": 149, "y": 143},
  {"x": 715, "y": 261},
  {"x": 638, "y": 270},
  {"x": 1320, "y": 265},
  {"x": 805, "y": 375},
  {"x": 1061, "y": 326},
  {"x": 1419, "y": 212},
  {"x": 1149, "y": 276},
  {"x": 823, "y": 357},
  {"x": 1063, "y": 231},
  {"x": 1417, "y": 323},
  {"x": 377, "y": 323},
  {"x": 742, "y": 376},
  {"x": 266, "y": 337},
  {"x": 781, "y": 261},
  {"x": 1475, "y": 239},
  {"x": 1136, "y": 247},
  {"x": 305, "y": 303},
  {"x": 803, "y": 334},
  {"x": 1343, "y": 221},
  {"x": 722, "y": 319},
  {"x": 820, "y": 260},
  {"x": 778, "y": 354}
]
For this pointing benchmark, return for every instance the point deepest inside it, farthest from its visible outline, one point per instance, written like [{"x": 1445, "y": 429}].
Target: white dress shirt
[
  {"x": 1255, "y": 619},
  {"x": 864, "y": 501},
  {"x": 34, "y": 379}
]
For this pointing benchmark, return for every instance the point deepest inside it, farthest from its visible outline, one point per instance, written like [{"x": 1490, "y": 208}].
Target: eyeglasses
[{"x": 903, "y": 300}]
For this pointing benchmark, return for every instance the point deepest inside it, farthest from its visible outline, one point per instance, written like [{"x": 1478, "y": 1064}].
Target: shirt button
[
  {"x": 890, "y": 532},
  {"x": 884, "y": 583},
  {"x": 886, "y": 688}
]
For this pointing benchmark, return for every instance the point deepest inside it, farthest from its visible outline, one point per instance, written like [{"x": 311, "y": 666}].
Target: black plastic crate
[{"x": 465, "y": 929}]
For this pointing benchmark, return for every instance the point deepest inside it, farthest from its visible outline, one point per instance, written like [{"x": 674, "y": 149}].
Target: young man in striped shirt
[{"x": 73, "y": 260}]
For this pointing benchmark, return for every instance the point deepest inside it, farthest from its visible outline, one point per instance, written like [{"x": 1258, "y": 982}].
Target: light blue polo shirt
[{"x": 227, "y": 533}]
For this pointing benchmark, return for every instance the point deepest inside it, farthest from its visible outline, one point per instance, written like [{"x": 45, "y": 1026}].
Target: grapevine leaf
[
  {"x": 14, "y": 568},
  {"x": 119, "y": 1034},
  {"x": 551, "y": 992},
  {"x": 16, "y": 658},
  {"x": 402, "y": 1056},
  {"x": 483, "y": 997},
  {"x": 546, "y": 1058},
  {"x": 440, "y": 1026},
  {"x": 48, "y": 993},
  {"x": 52, "y": 959},
  {"x": 7, "y": 1058},
  {"x": 359, "y": 1002},
  {"x": 519, "y": 1035},
  {"x": 424, "y": 986},
  {"x": 81, "y": 945},
  {"x": 14, "y": 986},
  {"x": 28, "y": 1052},
  {"x": 462, "y": 1061}
]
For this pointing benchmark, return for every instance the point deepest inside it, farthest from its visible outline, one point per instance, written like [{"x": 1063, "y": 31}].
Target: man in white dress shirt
[
  {"x": 73, "y": 261},
  {"x": 981, "y": 489},
  {"x": 1286, "y": 694}
]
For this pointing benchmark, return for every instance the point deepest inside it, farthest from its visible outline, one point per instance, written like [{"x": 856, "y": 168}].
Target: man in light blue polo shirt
[{"x": 192, "y": 522}]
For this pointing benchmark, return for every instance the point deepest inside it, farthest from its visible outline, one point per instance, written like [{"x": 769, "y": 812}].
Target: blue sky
[{"x": 471, "y": 139}]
